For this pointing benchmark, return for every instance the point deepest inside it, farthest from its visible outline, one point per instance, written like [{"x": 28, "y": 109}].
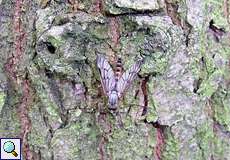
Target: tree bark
[{"x": 52, "y": 98}]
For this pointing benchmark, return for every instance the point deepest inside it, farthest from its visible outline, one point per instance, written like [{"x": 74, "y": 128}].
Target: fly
[{"x": 114, "y": 85}]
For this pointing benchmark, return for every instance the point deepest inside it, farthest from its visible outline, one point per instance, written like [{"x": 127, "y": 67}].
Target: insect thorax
[{"x": 113, "y": 99}]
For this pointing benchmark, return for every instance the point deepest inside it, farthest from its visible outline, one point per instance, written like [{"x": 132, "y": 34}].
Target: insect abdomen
[{"x": 119, "y": 69}]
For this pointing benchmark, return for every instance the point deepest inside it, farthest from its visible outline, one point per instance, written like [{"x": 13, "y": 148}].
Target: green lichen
[
  {"x": 128, "y": 25},
  {"x": 215, "y": 70},
  {"x": 195, "y": 68},
  {"x": 221, "y": 106},
  {"x": 61, "y": 19},
  {"x": 141, "y": 43},
  {"x": 85, "y": 4},
  {"x": 136, "y": 40},
  {"x": 10, "y": 125},
  {"x": 204, "y": 138},
  {"x": 155, "y": 64},
  {"x": 182, "y": 8},
  {"x": 110, "y": 7},
  {"x": 221, "y": 147},
  {"x": 56, "y": 42},
  {"x": 210, "y": 86},
  {"x": 216, "y": 13},
  {"x": 44, "y": 20},
  {"x": 99, "y": 31},
  {"x": 40, "y": 132},
  {"x": 151, "y": 114},
  {"x": 78, "y": 140},
  {"x": 2, "y": 99},
  {"x": 171, "y": 148},
  {"x": 42, "y": 90},
  {"x": 130, "y": 143}
]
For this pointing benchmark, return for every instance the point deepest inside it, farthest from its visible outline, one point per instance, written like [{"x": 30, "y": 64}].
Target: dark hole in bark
[
  {"x": 89, "y": 125},
  {"x": 48, "y": 73},
  {"x": 202, "y": 60},
  {"x": 50, "y": 47},
  {"x": 196, "y": 85},
  {"x": 158, "y": 125}
]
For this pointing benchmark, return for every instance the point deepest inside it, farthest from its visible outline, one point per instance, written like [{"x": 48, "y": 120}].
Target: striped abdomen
[{"x": 119, "y": 69}]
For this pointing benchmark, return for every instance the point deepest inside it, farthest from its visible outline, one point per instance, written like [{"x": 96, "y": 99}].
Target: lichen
[
  {"x": 43, "y": 91},
  {"x": 78, "y": 140},
  {"x": 99, "y": 31},
  {"x": 2, "y": 99},
  {"x": 214, "y": 10},
  {"x": 221, "y": 148},
  {"x": 55, "y": 41},
  {"x": 221, "y": 107},
  {"x": 204, "y": 136},
  {"x": 171, "y": 148},
  {"x": 138, "y": 146},
  {"x": 128, "y": 25},
  {"x": 210, "y": 86}
]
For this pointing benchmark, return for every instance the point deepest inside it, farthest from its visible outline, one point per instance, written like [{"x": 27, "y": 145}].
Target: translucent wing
[
  {"x": 126, "y": 79},
  {"x": 106, "y": 73}
]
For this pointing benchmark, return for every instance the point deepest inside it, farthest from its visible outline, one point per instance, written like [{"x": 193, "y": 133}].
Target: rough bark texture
[{"x": 50, "y": 91}]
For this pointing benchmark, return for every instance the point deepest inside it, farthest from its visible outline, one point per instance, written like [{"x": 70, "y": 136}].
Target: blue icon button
[{"x": 9, "y": 147}]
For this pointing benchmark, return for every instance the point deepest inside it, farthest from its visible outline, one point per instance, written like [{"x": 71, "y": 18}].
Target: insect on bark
[{"x": 114, "y": 86}]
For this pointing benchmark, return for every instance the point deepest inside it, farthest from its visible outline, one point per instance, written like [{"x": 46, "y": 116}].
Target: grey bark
[{"x": 52, "y": 98}]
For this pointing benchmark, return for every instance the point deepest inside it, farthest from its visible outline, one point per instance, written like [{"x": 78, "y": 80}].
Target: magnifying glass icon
[{"x": 9, "y": 147}]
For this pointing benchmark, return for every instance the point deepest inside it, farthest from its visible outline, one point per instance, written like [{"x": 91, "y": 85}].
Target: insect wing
[
  {"x": 106, "y": 73},
  {"x": 126, "y": 79}
]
